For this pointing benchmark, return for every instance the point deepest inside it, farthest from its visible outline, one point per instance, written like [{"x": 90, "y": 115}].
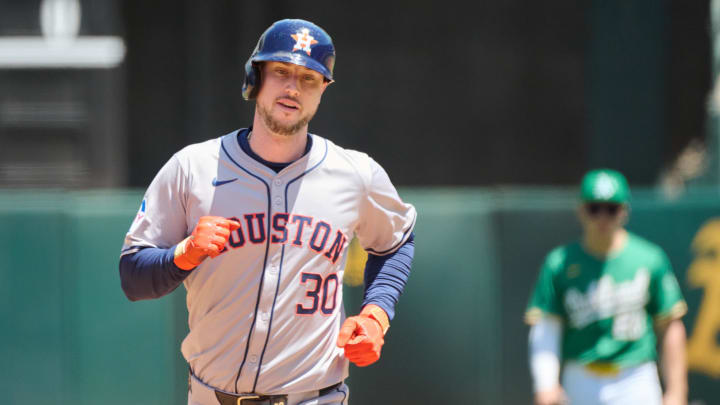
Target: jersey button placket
[
  {"x": 277, "y": 183},
  {"x": 277, "y": 200}
]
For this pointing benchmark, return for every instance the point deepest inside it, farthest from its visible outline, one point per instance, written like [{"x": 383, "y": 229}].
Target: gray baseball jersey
[{"x": 265, "y": 314}]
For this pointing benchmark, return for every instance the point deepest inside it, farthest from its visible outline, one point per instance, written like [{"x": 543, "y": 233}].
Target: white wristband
[{"x": 544, "y": 345}]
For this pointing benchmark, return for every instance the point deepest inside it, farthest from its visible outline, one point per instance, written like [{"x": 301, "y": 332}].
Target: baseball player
[
  {"x": 595, "y": 307},
  {"x": 256, "y": 224}
]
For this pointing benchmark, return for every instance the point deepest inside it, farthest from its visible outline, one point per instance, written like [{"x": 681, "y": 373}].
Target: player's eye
[
  {"x": 709, "y": 254},
  {"x": 281, "y": 72}
]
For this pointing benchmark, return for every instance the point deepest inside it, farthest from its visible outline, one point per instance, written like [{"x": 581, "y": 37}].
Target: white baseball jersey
[{"x": 265, "y": 314}]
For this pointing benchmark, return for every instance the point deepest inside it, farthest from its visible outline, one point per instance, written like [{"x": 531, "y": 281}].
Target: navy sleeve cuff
[{"x": 150, "y": 273}]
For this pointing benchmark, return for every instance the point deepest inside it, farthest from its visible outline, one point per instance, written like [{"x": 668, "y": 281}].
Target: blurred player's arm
[
  {"x": 544, "y": 349},
  {"x": 667, "y": 307},
  {"x": 545, "y": 316},
  {"x": 673, "y": 362}
]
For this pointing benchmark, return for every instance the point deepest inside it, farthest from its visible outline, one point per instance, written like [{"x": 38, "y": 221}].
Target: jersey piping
[{"x": 406, "y": 234}]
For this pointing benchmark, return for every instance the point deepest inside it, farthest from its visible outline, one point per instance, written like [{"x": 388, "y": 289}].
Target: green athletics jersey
[{"x": 608, "y": 306}]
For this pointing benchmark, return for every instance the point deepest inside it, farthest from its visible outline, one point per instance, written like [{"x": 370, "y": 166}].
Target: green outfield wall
[{"x": 69, "y": 336}]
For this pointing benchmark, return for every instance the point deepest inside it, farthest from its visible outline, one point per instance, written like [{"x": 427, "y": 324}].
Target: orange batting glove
[
  {"x": 208, "y": 239},
  {"x": 362, "y": 335}
]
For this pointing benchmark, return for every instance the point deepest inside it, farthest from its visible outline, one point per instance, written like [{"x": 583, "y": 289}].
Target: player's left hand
[
  {"x": 671, "y": 398},
  {"x": 362, "y": 336}
]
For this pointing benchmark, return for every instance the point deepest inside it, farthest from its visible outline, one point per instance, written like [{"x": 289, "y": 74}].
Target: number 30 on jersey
[{"x": 321, "y": 294}]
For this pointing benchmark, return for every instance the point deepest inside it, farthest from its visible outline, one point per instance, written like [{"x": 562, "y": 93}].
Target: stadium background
[{"x": 484, "y": 114}]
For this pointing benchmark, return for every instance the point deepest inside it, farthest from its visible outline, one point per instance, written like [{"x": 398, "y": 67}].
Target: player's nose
[
  {"x": 292, "y": 86},
  {"x": 291, "y": 89}
]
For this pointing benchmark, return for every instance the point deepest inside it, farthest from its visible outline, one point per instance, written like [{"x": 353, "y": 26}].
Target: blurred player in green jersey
[{"x": 599, "y": 308}]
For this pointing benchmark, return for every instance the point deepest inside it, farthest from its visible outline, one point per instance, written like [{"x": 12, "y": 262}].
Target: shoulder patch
[{"x": 141, "y": 211}]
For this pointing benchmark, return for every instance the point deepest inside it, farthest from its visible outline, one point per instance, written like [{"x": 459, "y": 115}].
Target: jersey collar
[{"x": 309, "y": 161}]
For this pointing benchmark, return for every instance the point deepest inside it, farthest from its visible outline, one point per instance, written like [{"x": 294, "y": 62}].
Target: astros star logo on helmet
[{"x": 303, "y": 41}]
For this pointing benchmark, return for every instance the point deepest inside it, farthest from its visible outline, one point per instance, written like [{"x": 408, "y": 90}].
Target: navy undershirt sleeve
[
  {"x": 150, "y": 273},
  {"x": 386, "y": 276}
]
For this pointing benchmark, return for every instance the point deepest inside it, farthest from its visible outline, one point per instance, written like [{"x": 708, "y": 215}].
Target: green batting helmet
[{"x": 604, "y": 185}]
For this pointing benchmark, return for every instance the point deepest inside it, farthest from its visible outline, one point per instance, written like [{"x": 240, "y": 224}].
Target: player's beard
[{"x": 279, "y": 128}]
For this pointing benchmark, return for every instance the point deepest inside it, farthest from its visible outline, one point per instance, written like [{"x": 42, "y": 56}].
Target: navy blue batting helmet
[{"x": 294, "y": 41}]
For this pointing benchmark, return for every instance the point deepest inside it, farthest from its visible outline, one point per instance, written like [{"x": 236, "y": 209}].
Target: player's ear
[
  {"x": 625, "y": 214},
  {"x": 582, "y": 214},
  {"x": 257, "y": 71},
  {"x": 325, "y": 84}
]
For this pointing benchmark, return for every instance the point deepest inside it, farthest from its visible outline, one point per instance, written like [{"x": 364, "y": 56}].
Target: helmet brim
[{"x": 296, "y": 59}]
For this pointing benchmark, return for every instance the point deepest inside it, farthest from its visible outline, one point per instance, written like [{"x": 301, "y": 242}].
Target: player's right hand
[
  {"x": 553, "y": 396},
  {"x": 207, "y": 239}
]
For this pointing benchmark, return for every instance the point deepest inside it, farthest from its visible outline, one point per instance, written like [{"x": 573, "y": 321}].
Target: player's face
[
  {"x": 289, "y": 96},
  {"x": 602, "y": 218}
]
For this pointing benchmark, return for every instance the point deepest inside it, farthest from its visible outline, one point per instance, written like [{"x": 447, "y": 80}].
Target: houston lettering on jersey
[{"x": 288, "y": 229}]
